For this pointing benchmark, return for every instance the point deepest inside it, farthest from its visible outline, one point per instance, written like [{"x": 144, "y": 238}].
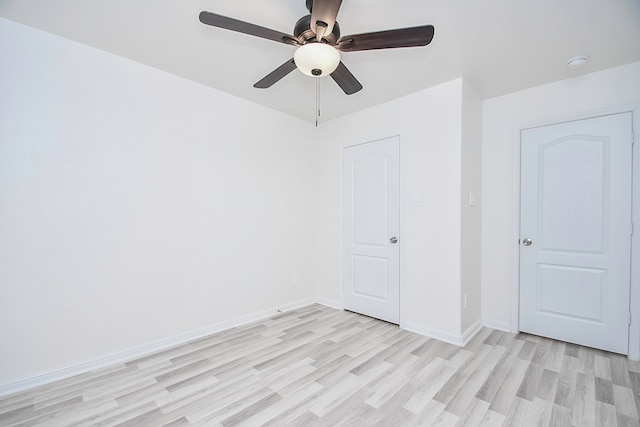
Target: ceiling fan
[{"x": 318, "y": 42}]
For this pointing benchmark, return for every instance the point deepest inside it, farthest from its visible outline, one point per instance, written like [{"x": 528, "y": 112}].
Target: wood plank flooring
[{"x": 317, "y": 366}]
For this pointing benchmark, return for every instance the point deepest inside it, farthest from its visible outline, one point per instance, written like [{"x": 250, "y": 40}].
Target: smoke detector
[{"x": 577, "y": 62}]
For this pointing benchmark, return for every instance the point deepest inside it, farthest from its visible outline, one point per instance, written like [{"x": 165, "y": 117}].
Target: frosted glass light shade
[{"x": 316, "y": 59}]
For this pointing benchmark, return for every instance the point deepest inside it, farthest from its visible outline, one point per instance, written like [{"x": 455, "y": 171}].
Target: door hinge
[
  {"x": 629, "y": 318},
  {"x": 631, "y": 228}
]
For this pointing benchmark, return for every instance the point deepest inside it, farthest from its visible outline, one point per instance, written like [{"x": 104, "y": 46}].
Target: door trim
[
  {"x": 634, "y": 296},
  {"x": 402, "y": 212}
]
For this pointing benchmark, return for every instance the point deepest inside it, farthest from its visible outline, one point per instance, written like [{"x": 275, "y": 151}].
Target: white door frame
[
  {"x": 634, "y": 297},
  {"x": 401, "y": 217}
]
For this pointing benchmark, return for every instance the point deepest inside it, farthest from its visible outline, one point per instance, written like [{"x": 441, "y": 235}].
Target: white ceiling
[{"x": 499, "y": 46}]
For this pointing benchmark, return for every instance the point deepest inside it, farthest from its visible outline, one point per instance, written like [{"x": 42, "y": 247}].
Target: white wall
[
  {"x": 136, "y": 206},
  {"x": 428, "y": 123},
  {"x": 502, "y": 119},
  {"x": 471, "y": 186}
]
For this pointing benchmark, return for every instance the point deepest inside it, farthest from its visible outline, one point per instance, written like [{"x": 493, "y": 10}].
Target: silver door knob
[
  {"x": 393, "y": 240},
  {"x": 527, "y": 242}
]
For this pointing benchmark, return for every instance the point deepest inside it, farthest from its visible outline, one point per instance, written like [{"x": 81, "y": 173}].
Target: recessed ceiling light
[{"x": 577, "y": 62}]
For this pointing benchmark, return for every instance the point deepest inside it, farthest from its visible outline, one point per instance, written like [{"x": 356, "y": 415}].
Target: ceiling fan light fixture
[{"x": 317, "y": 59}]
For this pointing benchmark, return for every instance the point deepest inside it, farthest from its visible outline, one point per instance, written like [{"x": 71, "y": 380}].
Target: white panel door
[
  {"x": 371, "y": 217},
  {"x": 575, "y": 231}
]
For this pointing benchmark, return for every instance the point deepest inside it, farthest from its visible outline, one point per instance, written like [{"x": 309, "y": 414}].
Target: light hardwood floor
[{"x": 317, "y": 366}]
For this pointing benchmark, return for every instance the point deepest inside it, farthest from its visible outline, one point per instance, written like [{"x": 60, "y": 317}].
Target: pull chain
[{"x": 317, "y": 100}]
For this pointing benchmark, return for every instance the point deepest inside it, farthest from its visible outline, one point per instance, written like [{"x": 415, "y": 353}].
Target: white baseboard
[
  {"x": 433, "y": 333},
  {"x": 458, "y": 340},
  {"x": 150, "y": 348},
  {"x": 471, "y": 332},
  {"x": 328, "y": 303},
  {"x": 496, "y": 324}
]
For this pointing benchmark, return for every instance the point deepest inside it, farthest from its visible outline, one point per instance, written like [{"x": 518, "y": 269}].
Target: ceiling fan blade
[
  {"x": 227, "y": 23},
  {"x": 404, "y": 37},
  {"x": 277, "y": 74},
  {"x": 323, "y": 16},
  {"x": 347, "y": 81}
]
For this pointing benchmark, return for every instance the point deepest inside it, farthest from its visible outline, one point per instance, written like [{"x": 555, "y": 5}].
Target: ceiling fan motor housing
[{"x": 303, "y": 33}]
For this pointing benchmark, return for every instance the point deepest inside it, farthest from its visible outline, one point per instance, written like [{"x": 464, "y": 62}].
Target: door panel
[
  {"x": 371, "y": 204},
  {"x": 576, "y": 211},
  {"x": 572, "y": 205},
  {"x": 369, "y": 173},
  {"x": 557, "y": 286},
  {"x": 369, "y": 277}
]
